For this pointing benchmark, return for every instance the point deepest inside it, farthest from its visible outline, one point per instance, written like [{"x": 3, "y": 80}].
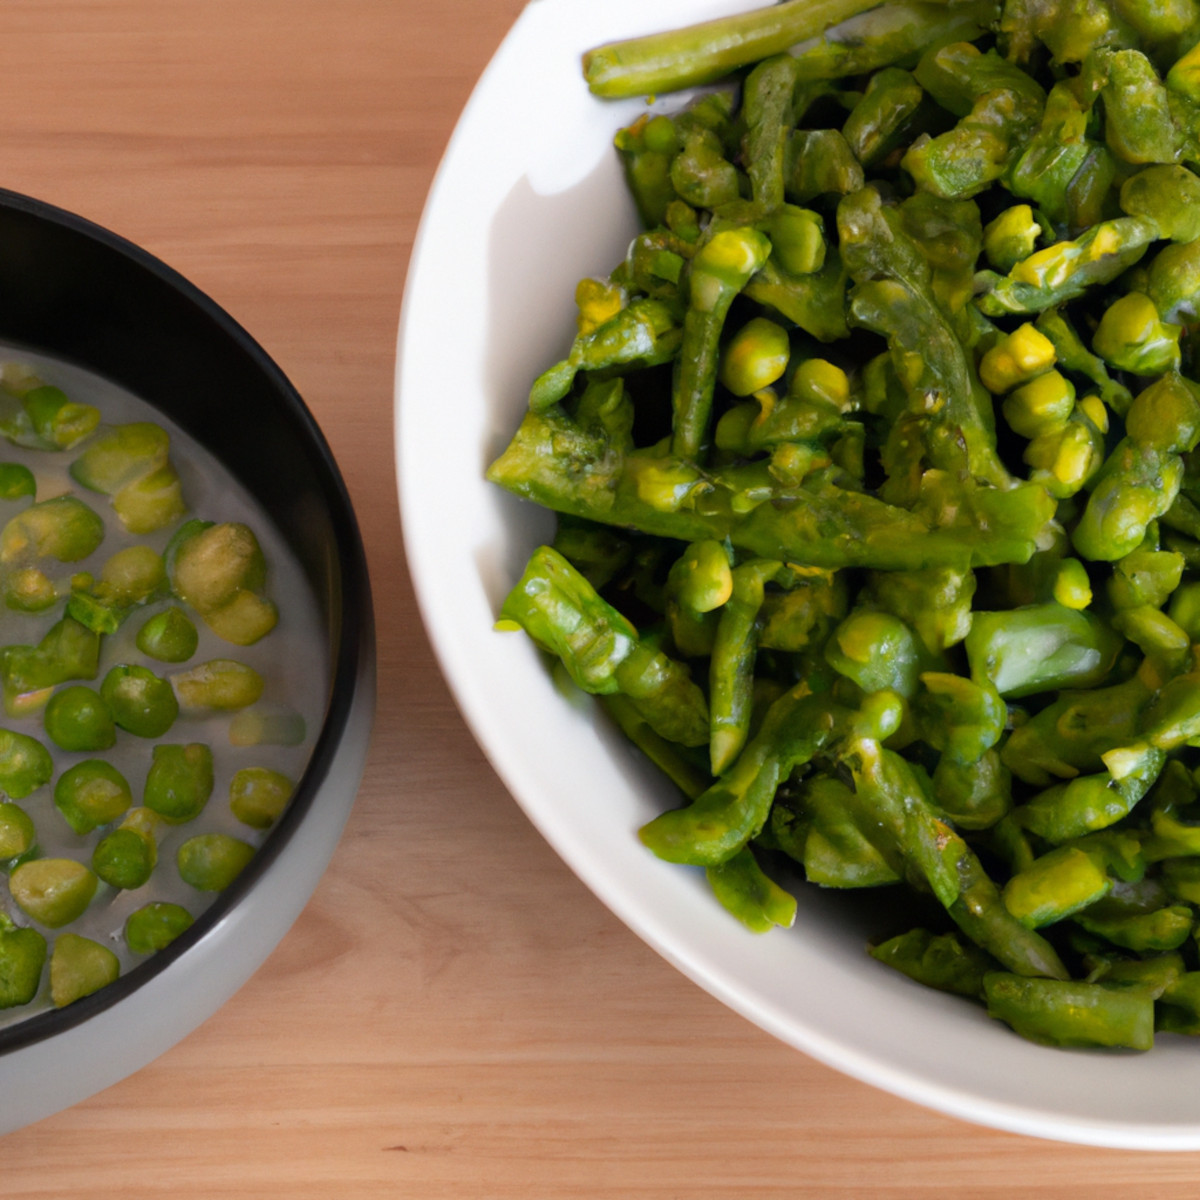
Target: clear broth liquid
[{"x": 291, "y": 659}]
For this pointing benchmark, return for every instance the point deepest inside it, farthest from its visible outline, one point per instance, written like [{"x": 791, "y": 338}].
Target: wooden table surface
[{"x": 454, "y": 1014}]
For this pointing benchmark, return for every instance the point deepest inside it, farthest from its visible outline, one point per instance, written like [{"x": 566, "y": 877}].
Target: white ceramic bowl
[
  {"x": 529, "y": 198},
  {"x": 83, "y": 294}
]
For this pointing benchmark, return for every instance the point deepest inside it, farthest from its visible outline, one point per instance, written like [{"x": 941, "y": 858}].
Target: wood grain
[{"x": 454, "y": 1015}]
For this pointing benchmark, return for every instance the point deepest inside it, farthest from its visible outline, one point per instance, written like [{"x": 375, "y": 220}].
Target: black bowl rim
[{"x": 352, "y": 649}]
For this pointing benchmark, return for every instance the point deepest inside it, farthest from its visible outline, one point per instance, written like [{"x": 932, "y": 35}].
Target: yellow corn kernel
[
  {"x": 1016, "y": 358},
  {"x": 1094, "y": 409}
]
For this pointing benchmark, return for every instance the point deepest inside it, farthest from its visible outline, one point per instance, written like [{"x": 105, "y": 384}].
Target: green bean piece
[
  {"x": 22, "y": 957},
  {"x": 91, "y": 793},
  {"x": 646, "y": 148},
  {"x": 888, "y": 111},
  {"x": 942, "y": 961},
  {"x": 63, "y": 528},
  {"x": 168, "y": 636},
  {"x": 77, "y": 719},
  {"x": 600, "y": 649},
  {"x": 210, "y": 862},
  {"x": 220, "y": 685},
  {"x": 945, "y": 862},
  {"x": 221, "y": 572},
  {"x": 1011, "y": 236},
  {"x": 59, "y": 422},
  {"x": 731, "y": 666},
  {"x": 1165, "y": 928},
  {"x": 703, "y": 53},
  {"x": 258, "y": 796},
  {"x": 745, "y": 890},
  {"x": 25, "y": 764},
  {"x": 734, "y": 809},
  {"x": 838, "y": 840},
  {"x": 718, "y": 272},
  {"x": 1040, "y": 648},
  {"x": 1055, "y": 886},
  {"x": 52, "y": 891},
  {"x": 1057, "y": 1012},
  {"x": 16, "y": 481},
  {"x": 180, "y": 781},
  {"x": 140, "y": 702},
  {"x": 131, "y": 464},
  {"x": 79, "y": 967},
  {"x": 155, "y": 926},
  {"x": 1066, "y": 269}
]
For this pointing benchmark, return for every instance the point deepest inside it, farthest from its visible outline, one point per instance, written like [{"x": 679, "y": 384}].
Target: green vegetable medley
[
  {"x": 878, "y": 490},
  {"x": 110, "y": 593}
]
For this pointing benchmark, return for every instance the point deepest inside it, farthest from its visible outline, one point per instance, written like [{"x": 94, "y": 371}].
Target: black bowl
[{"x": 78, "y": 292}]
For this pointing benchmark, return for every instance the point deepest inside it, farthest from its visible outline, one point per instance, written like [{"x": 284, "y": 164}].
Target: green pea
[
  {"x": 77, "y": 719},
  {"x": 79, "y": 967},
  {"x": 18, "y": 834},
  {"x": 210, "y": 862},
  {"x": 53, "y": 891},
  {"x": 63, "y": 528},
  {"x": 22, "y": 956},
  {"x": 90, "y": 794},
  {"x": 140, "y": 701},
  {"x": 124, "y": 859},
  {"x": 132, "y": 575},
  {"x": 56, "y": 419},
  {"x": 169, "y": 636},
  {"x": 25, "y": 764},
  {"x": 180, "y": 781},
  {"x": 258, "y": 796},
  {"x": 16, "y": 480},
  {"x": 29, "y": 589},
  {"x": 155, "y": 926},
  {"x": 220, "y": 685}
]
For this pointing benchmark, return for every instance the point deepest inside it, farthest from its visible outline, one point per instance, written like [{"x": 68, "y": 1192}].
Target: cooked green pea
[
  {"x": 53, "y": 891},
  {"x": 90, "y": 794},
  {"x": 76, "y": 718},
  {"x": 220, "y": 684},
  {"x": 180, "y": 781},
  {"x": 140, "y": 701},
  {"x": 29, "y": 589},
  {"x": 59, "y": 421},
  {"x": 63, "y": 528},
  {"x": 17, "y": 832},
  {"x": 123, "y": 859},
  {"x": 258, "y": 796},
  {"x": 132, "y": 575},
  {"x": 210, "y": 862},
  {"x": 25, "y": 764},
  {"x": 79, "y": 967},
  {"x": 155, "y": 926},
  {"x": 16, "y": 480},
  {"x": 168, "y": 636},
  {"x": 22, "y": 956}
]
